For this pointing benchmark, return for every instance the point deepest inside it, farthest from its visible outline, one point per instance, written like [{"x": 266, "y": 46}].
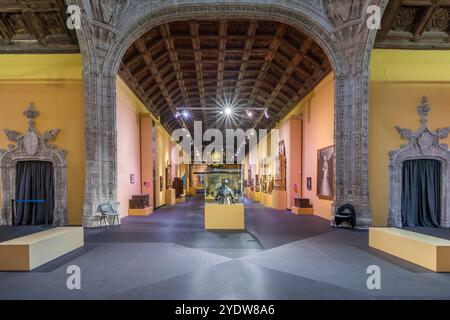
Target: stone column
[{"x": 352, "y": 105}]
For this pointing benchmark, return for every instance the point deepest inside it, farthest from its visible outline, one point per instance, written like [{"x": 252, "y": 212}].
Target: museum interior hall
[{"x": 225, "y": 150}]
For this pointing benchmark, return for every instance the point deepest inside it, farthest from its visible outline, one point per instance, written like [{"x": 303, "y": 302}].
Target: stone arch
[{"x": 104, "y": 41}]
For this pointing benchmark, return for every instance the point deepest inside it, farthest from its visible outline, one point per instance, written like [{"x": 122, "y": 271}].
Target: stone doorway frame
[
  {"x": 105, "y": 34},
  {"x": 421, "y": 144},
  {"x": 33, "y": 146}
]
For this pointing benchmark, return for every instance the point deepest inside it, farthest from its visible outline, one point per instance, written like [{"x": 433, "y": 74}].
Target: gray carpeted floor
[{"x": 169, "y": 255}]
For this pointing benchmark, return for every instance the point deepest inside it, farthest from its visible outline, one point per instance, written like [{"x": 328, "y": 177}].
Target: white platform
[{"x": 31, "y": 251}]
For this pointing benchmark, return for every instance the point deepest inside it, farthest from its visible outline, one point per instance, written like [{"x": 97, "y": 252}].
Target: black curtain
[
  {"x": 34, "y": 193},
  {"x": 421, "y": 194}
]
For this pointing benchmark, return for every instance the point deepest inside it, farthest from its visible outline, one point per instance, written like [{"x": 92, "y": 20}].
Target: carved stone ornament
[
  {"x": 109, "y": 11},
  {"x": 342, "y": 11},
  {"x": 422, "y": 144},
  {"x": 32, "y": 146}
]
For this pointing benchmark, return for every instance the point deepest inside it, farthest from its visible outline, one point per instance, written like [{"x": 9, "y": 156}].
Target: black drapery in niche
[
  {"x": 34, "y": 193},
  {"x": 421, "y": 193}
]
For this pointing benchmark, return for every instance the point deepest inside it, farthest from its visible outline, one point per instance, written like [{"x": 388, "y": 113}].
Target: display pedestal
[
  {"x": 257, "y": 196},
  {"x": 301, "y": 211},
  {"x": 170, "y": 197},
  {"x": 140, "y": 212},
  {"x": 224, "y": 216},
  {"x": 266, "y": 199},
  {"x": 279, "y": 199}
]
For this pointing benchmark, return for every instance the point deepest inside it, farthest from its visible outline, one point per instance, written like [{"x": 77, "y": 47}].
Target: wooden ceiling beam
[
  {"x": 140, "y": 46},
  {"x": 388, "y": 18},
  {"x": 170, "y": 47},
  {"x": 221, "y": 57},
  {"x": 306, "y": 45},
  {"x": 425, "y": 19},
  {"x": 251, "y": 31},
  {"x": 194, "y": 28},
  {"x": 274, "y": 45},
  {"x": 34, "y": 26}
]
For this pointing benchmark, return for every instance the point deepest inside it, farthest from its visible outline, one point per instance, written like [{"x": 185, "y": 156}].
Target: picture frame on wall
[
  {"x": 161, "y": 183},
  {"x": 325, "y": 173},
  {"x": 309, "y": 183},
  {"x": 132, "y": 178}
]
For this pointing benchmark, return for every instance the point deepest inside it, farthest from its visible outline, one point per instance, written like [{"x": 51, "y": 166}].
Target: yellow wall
[
  {"x": 399, "y": 79},
  {"x": 318, "y": 132},
  {"x": 54, "y": 83},
  {"x": 164, "y": 147}
]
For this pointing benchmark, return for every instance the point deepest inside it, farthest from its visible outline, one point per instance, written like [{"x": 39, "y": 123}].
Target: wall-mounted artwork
[
  {"x": 132, "y": 178},
  {"x": 325, "y": 173},
  {"x": 161, "y": 183},
  {"x": 309, "y": 183}
]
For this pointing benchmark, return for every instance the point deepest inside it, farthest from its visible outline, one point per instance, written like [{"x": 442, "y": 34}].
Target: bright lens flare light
[{"x": 228, "y": 111}]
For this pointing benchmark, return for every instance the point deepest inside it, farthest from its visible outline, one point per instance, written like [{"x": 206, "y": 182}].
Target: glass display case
[{"x": 224, "y": 185}]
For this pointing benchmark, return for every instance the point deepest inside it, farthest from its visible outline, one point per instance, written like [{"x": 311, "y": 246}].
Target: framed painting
[{"x": 325, "y": 173}]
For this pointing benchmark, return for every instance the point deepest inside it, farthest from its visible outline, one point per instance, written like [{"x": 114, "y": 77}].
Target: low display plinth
[
  {"x": 140, "y": 212},
  {"x": 180, "y": 200},
  {"x": 267, "y": 199},
  {"x": 430, "y": 252},
  {"x": 31, "y": 251},
  {"x": 170, "y": 197},
  {"x": 257, "y": 196},
  {"x": 224, "y": 216},
  {"x": 301, "y": 211},
  {"x": 279, "y": 199}
]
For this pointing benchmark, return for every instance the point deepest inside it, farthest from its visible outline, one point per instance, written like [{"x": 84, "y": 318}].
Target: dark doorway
[
  {"x": 421, "y": 193},
  {"x": 34, "y": 193}
]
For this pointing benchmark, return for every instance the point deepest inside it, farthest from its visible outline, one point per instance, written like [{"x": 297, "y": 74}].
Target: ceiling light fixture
[
  {"x": 228, "y": 111},
  {"x": 249, "y": 113},
  {"x": 266, "y": 114}
]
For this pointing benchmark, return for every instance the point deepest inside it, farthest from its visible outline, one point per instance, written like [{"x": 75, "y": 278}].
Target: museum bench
[
  {"x": 430, "y": 252},
  {"x": 31, "y": 251}
]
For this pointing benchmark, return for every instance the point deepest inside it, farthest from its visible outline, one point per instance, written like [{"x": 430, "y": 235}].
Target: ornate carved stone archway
[
  {"x": 33, "y": 146},
  {"x": 338, "y": 27},
  {"x": 422, "y": 144}
]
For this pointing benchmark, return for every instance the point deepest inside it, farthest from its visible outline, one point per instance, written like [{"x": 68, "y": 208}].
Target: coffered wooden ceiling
[
  {"x": 199, "y": 63},
  {"x": 35, "y": 26},
  {"x": 415, "y": 24}
]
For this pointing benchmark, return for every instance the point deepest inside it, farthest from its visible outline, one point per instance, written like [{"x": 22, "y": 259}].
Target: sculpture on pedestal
[
  {"x": 168, "y": 175},
  {"x": 280, "y": 174}
]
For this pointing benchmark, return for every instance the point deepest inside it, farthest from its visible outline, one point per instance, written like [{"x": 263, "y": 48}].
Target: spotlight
[
  {"x": 228, "y": 111},
  {"x": 177, "y": 114},
  {"x": 266, "y": 114},
  {"x": 249, "y": 113},
  {"x": 185, "y": 114}
]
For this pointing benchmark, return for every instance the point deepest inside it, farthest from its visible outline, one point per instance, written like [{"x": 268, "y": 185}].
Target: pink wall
[
  {"x": 128, "y": 151},
  {"x": 318, "y": 133},
  {"x": 146, "y": 158},
  {"x": 290, "y": 133}
]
